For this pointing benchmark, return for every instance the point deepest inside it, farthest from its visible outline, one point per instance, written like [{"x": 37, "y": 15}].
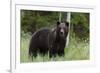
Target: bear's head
[{"x": 62, "y": 29}]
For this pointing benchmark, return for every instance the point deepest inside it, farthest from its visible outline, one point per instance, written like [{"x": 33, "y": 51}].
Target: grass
[{"x": 76, "y": 50}]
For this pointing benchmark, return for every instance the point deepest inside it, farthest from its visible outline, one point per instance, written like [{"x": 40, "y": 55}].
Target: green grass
[{"x": 76, "y": 50}]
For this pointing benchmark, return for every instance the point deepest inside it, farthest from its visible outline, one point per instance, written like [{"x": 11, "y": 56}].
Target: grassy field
[{"x": 76, "y": 50}]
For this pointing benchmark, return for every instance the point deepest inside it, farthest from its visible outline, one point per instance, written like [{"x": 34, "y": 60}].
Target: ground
[{"x": 76, "y": 50}]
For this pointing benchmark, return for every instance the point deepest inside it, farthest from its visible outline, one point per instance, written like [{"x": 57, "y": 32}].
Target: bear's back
[{"x": 40, "y": 38}]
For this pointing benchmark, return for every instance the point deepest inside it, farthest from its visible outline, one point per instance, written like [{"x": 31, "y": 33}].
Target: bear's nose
[{"x": 62, "y": 31}]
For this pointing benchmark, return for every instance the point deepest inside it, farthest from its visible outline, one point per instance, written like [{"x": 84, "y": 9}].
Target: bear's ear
[
  {"x": 67, "y": 23},
  {"x": 58, "y": 23}
]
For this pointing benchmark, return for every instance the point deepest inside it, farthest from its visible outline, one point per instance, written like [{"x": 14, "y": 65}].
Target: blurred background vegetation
[
  {"x": 33, "y": 20},
  {"x": 78, "y": 47}
]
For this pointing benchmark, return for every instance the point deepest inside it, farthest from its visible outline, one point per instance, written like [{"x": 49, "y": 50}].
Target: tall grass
[{"x": 76, "y": 50}]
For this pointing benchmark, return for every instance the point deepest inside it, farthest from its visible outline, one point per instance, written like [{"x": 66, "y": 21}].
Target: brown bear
[{"x": 46, "y": 40}]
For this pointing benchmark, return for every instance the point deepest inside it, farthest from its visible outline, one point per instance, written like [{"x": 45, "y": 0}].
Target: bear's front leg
[
  {"x": 61, "y": 52},
  {"x": 53, "y": 51}
]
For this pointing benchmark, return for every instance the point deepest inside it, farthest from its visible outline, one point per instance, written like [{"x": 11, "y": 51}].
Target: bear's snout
[{"x": 62, "y": 31}]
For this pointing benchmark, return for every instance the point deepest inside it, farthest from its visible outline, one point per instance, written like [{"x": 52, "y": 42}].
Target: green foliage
[
  {"x": 33, "y": 20},
  {"x": 80, "y": 24}
]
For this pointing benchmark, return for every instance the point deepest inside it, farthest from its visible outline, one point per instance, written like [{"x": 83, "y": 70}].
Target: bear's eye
[{"x": 59, "y": 28}]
